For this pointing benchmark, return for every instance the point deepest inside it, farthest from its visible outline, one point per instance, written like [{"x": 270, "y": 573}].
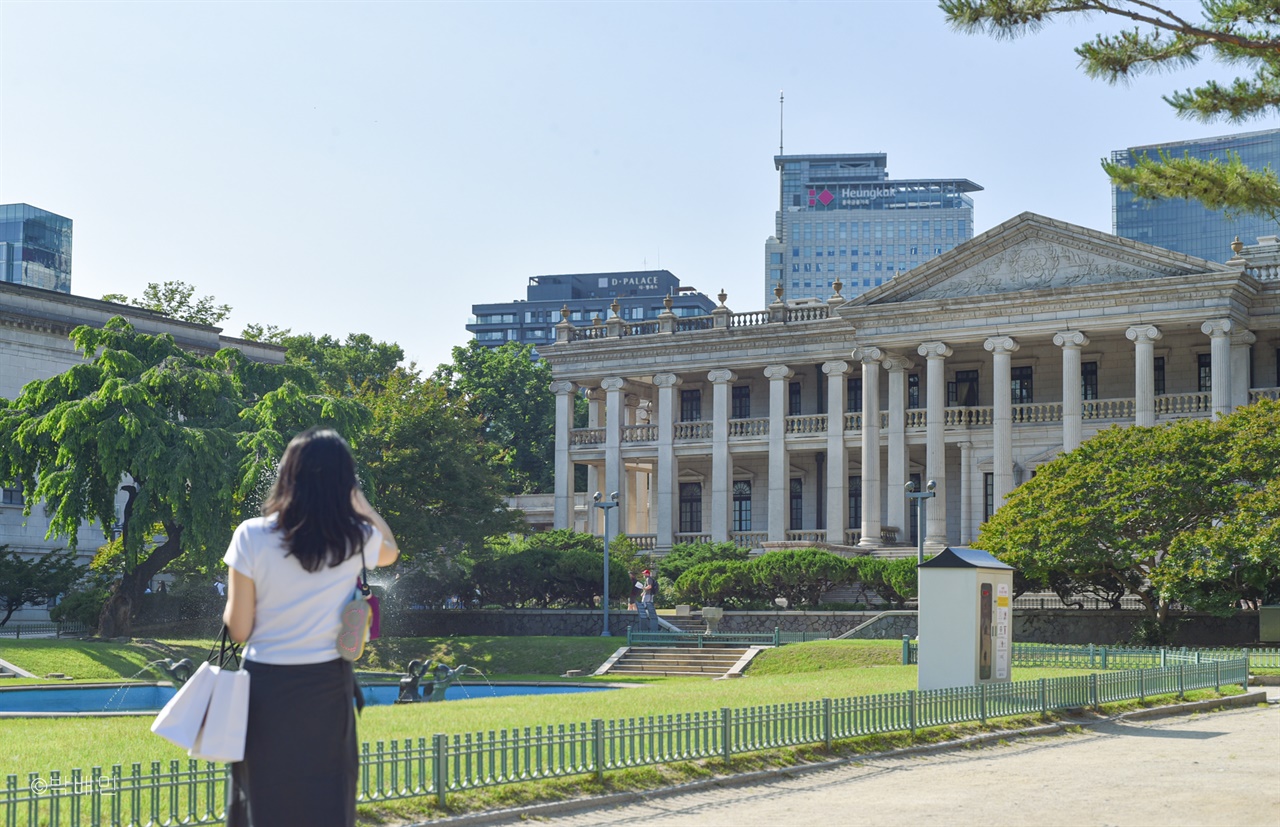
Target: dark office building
[
  {"x": 588, "y": 296},
  {"x": 35, "y": 248}
]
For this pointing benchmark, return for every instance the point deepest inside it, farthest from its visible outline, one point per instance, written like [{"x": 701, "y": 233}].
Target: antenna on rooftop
[{"x": 780, "y": 113}]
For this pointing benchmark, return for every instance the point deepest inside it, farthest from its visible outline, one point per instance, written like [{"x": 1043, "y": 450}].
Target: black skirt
[{"x": 300, "y": 763}]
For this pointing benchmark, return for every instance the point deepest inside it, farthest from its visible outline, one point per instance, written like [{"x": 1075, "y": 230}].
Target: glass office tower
[
  {"x": 1187, "y": 226},
  {"x": 840, "y": 216},
  {"x": 35, "y": 247}
]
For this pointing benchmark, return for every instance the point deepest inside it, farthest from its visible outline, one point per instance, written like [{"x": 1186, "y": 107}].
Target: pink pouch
[{"x": 375, "y": 616}]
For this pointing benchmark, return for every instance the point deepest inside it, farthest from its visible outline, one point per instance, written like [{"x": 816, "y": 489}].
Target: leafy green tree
[
  {"x": 1241, "y": 33},
  {"x": 684, "y": 556},
  {"x": 191, "y": 440},
  {"x": 1102, "y": 519},
  {"x": 801, "y": 576},
  {"x": 892, "y": 580},
  {"x": 34, "y": 582},
  {"x": 724, "y": 583},
  {"x": 511, "y": 395},
  {"x": 175, "y": 299},
  {"x": 343, "y": 368},
  {"x": 270, "y": 334}
]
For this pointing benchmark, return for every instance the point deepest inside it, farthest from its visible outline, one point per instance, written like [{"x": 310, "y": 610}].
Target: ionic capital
[
  {"x": 613, "y": 383},
  {"x": 561, "y": 387},
  {"x": 1144, "y": 334},
  {"x": 1001, "y": 345},
  {"x": 934, "y": 350},
  {"x": 1070, "y": 338},
  {"x": 868, "y": 355},
  {"x": 720, "y": 376},
  {"x": 896, "y": 362},
  {"x": 835, "y": 368},
  {"x": 1242, "y": 337},
  {"x": 1216, "y": 327},
  {"x": 778, "y": 372},
  {"x": 666, "y": 380}
]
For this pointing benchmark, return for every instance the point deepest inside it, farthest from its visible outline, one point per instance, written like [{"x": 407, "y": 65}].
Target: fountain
[{"x": 442, "y": 678}]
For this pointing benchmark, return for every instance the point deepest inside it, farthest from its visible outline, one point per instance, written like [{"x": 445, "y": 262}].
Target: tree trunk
[{"x": 116, "y": 619}]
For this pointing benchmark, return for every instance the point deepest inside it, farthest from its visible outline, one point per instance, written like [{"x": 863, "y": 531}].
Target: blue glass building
[
  {"x": 639, "y": 294},
  {"x": 35, "y": 247},
  {"x": 1187, "y": 226},
  {"x": 841, "y": 217}
]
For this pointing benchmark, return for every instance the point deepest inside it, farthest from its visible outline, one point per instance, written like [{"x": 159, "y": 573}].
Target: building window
[
  {"x": 797, "y": 504},
  {"x": 775, "y": 258},
  {"x": 964, "y": 390},
  {"x": 855, "y": 502},
  {"x": 793, "y": 399},
  {"x": 11, "y": 494},
  {"x": 690, "y": 508},
  {"x": 741, "y": 402},
  {"x": 913, "y": 390},
  {"x": 1158, "y": 370},
  {"x": 853, "y": 394},
  {"x": 988, "y": 496},
  {"x": 742, "y": 505},
  {"x": 691, "y": 406},
  {"x": 1204, "y": 363},
  {"x": 1020, "y": 385},
  {"x": 1089, "y": 378}
]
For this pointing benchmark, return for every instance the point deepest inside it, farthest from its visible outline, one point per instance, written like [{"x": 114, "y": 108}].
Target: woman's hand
[{"x": 389, "y": 551}]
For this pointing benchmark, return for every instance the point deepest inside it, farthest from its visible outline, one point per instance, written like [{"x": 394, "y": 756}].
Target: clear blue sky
[{"x": 380, "y": 167}]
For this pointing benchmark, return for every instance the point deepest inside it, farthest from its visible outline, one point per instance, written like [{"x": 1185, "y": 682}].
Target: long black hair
[{"x": 311, "y": 499}]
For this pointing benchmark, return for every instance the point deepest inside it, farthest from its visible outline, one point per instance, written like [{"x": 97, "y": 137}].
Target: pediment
[{"x": 1031, "y": 252}]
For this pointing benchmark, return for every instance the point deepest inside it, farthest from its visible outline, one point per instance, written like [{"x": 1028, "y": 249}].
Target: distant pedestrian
[{"x": 648, "y": 611}]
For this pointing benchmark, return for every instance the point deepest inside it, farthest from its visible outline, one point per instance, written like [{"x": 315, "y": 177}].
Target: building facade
[
  {"x": 1188, "y": 226},
  {"x": 35, "y": 248},
  {"x": 804, "y": 424},
  {"x": 841, "y": 217},
  {"x": 588, "y": 298}
]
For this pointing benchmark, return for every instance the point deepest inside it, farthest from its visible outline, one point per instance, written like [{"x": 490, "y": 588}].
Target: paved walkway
[{"x": 1209, "y": 769}]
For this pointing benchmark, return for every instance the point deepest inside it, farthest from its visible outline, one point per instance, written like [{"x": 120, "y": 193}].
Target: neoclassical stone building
[{"x": 804, "y": 422}]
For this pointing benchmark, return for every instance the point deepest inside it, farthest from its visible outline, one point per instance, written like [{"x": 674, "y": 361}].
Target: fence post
[
  {"x": 1104, "y": 657},
  {"x": 1093, "y": 689},
  {"x": 1142, "y": 684},
  {"x": 1092, "y": 663},
  {"x": 1217, "y": 676},
  {"x": 911, "y": 711},
  {"x": 1164, "y": 657},
  {"x": 597, "y": 742},
  {"x": 1244, "y": 682},
  {"x": 439, "y": 771},
  {"x": 777, "y": 636},
  {"x": 906, "y": 650},
  {"x": 726, "y": 733},
  {"x": 982, "y": 704},
  {"x": 1181, "y": 681},
  {"x": 826, "y": 722},
  {"x": 1044, "y": 697},
  {"x": 17, "y": 632}
]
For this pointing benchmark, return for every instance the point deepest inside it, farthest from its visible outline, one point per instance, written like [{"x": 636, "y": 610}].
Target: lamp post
[
  {"x": 931, "y": 490},
  {"x": 607, "y": 505}
]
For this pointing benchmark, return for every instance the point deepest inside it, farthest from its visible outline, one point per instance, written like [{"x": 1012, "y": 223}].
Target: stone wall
[{"x": 1031, "y": 626}]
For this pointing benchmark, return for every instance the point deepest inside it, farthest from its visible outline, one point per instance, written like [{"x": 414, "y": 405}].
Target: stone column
[
  {"x": 837, "y": 455},
  {"x": 967, "y": 531},
  {"x": 870, "y": 358},
  {"x": 1241, "y": 340},
  {"x": 1002, "y": 349},
  {"x": 667, "y": 486},
  {"x": 721, "y": 463},
  {"x": 1219, "y": 333},
  {"x": 1072, "y": 386},
  {"x": 935, "y": 455},
  {"x": 779, "y": 462},
  {"x": 595, "y": 419},
  {"x": 1144, "y": 338},
  {"x": 896, "y": 506},
  {"x": 613, "y": 470},
  {"x": 564, "y": 468}
]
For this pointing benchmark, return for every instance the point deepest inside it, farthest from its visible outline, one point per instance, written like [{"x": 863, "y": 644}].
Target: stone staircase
[
  {"x": 679, "y": 661},
  {"x": 687, "y": 623}
]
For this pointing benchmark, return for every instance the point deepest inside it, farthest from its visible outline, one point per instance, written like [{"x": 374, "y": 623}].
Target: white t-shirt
[{"x": 297, "y": 613}]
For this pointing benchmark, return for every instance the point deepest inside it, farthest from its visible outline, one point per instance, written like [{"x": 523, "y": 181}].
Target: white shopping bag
[
  {"x": 182, "y": 717},
  {"x": 222, "y": 736}
]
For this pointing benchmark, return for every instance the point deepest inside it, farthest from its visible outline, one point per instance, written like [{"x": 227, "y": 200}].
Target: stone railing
[
  {"x": 749, "y": 427},
  {"x": 1264, "y": 393},
  {"x": 852, "y": 536},
  {"x": 691, "y": 537},
  {"x": 751, "y": 319},
  {"x": 811, "y": 313},
  {"x": 1182, "y": 403},
  {"x": 916, "y": 418},
  {"x": 582, "y": 334},
  {"x": 749, "y": 539},
  {"x": 968, "y": 417},
  {"x": 1264, "y": 272},
  {"x": 640, "y": 433},
  {"x": 807, "y": 424},
  {"x": 644, "y": 542},
  {"x": 1036, "y": 412},
  {"x": 1107, "y": 409},
  {"x": 694, "y": 323},
  {"x": 586, "y": 436},
  {"x": 640, "y": 328},
  {"x": 806, "y": 536},
  {"x": 693, "y": 430},
  {"x": 853, "y": 421}
]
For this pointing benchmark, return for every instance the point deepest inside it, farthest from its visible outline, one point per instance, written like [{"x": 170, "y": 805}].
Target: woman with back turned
[{"x": 291, "y": 573}]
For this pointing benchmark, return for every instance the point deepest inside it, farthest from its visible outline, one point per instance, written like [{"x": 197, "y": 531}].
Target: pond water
[{"x": 150, "y": 697}]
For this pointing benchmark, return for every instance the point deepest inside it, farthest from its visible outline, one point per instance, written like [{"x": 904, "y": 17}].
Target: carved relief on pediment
[{"x": 1037, "y": 266}]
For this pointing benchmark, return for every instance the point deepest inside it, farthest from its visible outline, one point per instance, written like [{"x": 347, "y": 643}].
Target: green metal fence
[
  {"x": 40, "y": 630},
  {"x": 1117, "y": 657},
  {"x": 442, "y": 764},
  {"x": 701, "y": 639}
]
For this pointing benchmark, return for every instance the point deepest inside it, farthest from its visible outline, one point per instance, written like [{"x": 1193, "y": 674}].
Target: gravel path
[{"x": 1216, "y": 769}]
